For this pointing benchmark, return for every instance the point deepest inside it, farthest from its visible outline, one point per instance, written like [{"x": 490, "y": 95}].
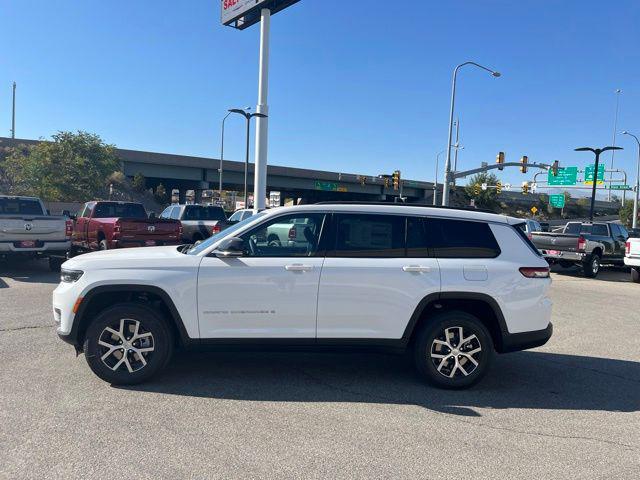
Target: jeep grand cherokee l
[{"x": 454, "y": 286}]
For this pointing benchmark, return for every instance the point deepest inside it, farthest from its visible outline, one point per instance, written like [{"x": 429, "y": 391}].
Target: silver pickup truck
[{"x": 27, "y": 230}]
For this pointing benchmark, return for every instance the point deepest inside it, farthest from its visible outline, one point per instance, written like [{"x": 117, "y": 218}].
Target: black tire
[
  {"x": 565, "y": 264},
  {"x": 635, "y": 274},
  {"x": 149, "y": 322},
  {"x": 103, "y": 245},
  {"x": 434, "y": 331},
  {"x": 591, "y": 266},
  {"x": 55, "y": 263}
]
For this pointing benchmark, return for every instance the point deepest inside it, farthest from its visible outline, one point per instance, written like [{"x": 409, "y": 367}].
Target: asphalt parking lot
[{"x": 568, "y": 409}]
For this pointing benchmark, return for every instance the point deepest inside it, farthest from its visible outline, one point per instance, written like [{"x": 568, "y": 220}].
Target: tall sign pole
[
  {"x": 596, "y": 152},
  {"x": 262, "y": 123}
]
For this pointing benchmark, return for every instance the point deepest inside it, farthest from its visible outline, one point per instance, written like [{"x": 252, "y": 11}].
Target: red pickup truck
[{"x": 104, "y": 225}]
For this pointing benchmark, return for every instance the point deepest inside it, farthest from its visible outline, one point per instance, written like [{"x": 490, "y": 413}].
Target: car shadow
[
  {"x": 27, "y": 270},
  {"x": 533, "y": 379},
  {"x": 607, "y": 274}
]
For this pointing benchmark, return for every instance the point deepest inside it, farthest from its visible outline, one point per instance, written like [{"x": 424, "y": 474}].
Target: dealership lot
[{"x": 570, "y": 406}]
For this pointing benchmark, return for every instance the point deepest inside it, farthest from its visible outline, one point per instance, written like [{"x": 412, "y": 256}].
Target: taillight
[
  {"x": 530, "y": 236},
  {"x": 627, "y": 248},
  {"x": 216, "y": 229},
  {"x": 582, "y": 243},
  {"x": 292, "y": 233},
  {"x": 117, "y": 228},
  {"x": 68, "y": 228},
  {"x": 180, "y": 229},
  {"x": 535, "y": 272}
]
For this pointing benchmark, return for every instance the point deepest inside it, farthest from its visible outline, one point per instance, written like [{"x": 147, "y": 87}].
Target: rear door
[{"x": 369, "y": 287}]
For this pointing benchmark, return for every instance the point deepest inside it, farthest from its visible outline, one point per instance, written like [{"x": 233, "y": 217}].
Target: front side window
[
  {"x": 600, "y": 229},
  {"x": 461, "y": 239},
  {"x": 362, "y": 235},
  {"x": 288, "y": 236}
]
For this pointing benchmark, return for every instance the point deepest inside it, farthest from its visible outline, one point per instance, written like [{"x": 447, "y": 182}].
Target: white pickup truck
[
  {"x": 27, "y": 230},
  {"x": 632, "y": 258}
]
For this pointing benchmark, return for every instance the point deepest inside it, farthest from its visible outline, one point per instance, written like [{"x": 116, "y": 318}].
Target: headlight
[{"x": 70, "y": 276}]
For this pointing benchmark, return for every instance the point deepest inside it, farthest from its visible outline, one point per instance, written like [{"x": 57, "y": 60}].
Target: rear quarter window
[{"x": 461, "y": 239}]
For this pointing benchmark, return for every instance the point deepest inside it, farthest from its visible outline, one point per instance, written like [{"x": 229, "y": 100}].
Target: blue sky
[{"x": 355, "y": 86}]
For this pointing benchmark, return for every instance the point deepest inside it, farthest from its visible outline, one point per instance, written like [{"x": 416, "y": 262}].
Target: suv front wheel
[
  {"x": 453, "y": 350},
  {"x": 127, "y": 344}
]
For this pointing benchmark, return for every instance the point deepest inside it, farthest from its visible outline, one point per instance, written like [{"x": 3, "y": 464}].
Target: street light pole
[
  {"x": 447, "y": 165},
  {"x": 615, "y": 130},
  {"x": 221, "y": 156},
  {"x": 596, "y": 152},
  {"x": 248, "y": 116},
  {"x": 435, "y": 185},
  {"x": 13, "y": 112},
  {"x": 634, "y": 223}
]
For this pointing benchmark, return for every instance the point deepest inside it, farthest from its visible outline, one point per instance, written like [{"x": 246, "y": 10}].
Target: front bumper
[{"x": 513, "y": 342}]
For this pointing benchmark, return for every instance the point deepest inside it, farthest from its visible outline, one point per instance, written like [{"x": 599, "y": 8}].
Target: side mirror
[{"x": 230, "y": 247}]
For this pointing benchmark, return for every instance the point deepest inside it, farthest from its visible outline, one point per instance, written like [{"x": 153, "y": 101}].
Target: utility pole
[
  {"x": 262, "y": 125},
  {"x": 13, "y": 113},
  {"x": 596, "y": 152}
]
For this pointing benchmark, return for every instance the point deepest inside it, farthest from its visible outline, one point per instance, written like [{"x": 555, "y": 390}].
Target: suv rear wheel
[
  {"x": 453, "y": 350},
  {"x": 127, "y": 344}
]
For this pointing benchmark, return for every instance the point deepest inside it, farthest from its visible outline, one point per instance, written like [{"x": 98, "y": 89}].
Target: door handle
[
  {"x": 298, "y": 267},
  {"x": 416, "y": 268}
]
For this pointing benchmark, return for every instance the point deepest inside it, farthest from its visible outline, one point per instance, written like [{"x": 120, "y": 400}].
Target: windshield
[
  {"x": 227, "y": 232},
  {"x": 119, "y": 210}
]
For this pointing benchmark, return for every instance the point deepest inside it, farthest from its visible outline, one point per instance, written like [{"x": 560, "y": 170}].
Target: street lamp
[
  {"x": 447, "y": 165},
  {"x": 248, "y": 116},
  {"x": 221, "y": 156},
  {"x": 635, "y": 198},
  {"x": 597, "y": 152}
]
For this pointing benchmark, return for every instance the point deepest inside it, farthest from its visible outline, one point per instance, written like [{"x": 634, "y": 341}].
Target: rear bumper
[
  {"x": 54, "y": 249},
  {"x": 513, "y": 342},
  {"x": 560, "y": 255},
  {"x": 131, "y": 243},
  {"x": 632, "y": 261}
]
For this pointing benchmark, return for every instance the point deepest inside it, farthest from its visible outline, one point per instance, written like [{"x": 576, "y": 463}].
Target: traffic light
[
  {"x": 396, "y": 180},
  {"x": 500, "y": 160},
  {"x": 524, "y": 160},
  {"x": 476, "y": 189},
  {"x": 498, "y": 188},
  {"x": 525, "y": 188},
  {"x": 554, "y": 168}
]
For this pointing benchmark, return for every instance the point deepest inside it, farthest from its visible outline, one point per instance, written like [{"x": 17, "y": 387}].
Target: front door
[{"x": 269, "y": 292}]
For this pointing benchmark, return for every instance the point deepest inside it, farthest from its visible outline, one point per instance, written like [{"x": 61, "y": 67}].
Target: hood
[{"x": 126, "y": 257}]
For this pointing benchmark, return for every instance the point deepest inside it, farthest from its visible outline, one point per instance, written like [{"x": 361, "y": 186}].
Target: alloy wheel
[
  {"x": 455, "y": 353},
  {"x": 126, "y": 345}
]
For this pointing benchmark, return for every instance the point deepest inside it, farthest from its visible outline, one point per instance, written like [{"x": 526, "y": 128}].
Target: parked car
[
  {"x": 103, "y": 225},
  {"x": 452, "y": 286},
  {"x": 634, "y": 232},
  {"x": 240, "y": 215},
  {"x": 585, "y": 244},
  {"x": 198, "y": 221},
  {"x": 632, "y": 258},
  {"x": 28, "y": 230}
]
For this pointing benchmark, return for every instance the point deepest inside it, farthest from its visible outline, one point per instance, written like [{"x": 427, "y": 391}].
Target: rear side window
[
  {"x": 16, "y": 206},
  {"x": 199, "y": 212},
  {"x": 368, "y": 236},
  {"x": 573, "y": 228},
  {"x": 461, "y": 239}
]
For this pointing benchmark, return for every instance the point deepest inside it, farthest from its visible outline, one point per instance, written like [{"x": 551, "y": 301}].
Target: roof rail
[{"x": 389, "y": 204}]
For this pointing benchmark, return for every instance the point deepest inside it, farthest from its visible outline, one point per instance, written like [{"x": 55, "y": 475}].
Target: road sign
[
  {"x": 534, "y": 210},
  {"x": 619, "y": 187},
  {"x": 244, "y": 13},
  {"x": 484, "y": 186},
  {"x": 326, "y": 186},
  {"x": 533, "y": 187},
  {"x": 506, "y": 186},
  {"x": 557, "y": 200},
  {"x": 588, "y": 174},
  {"x": 566, "y": 176}
]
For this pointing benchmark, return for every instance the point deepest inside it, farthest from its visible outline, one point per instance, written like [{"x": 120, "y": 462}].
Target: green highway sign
[
  {"x": 619, "y": 187},
  {"x": 557, "y": 200},
  {"x": 588, "y": 174},
  {"x": 326, "y": 186},
  {"x": 566, "y": 176}
]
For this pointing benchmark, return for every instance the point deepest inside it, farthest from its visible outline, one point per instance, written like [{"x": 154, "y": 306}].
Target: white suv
[{"x": 453, "y": 285}]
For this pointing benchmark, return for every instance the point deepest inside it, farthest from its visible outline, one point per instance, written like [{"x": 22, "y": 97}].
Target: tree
[
  {"x": 139, "y": 183},
  {"x": 626, "y": 214},
  {"x": 161, "y": 194},
  {"x": 72, "y": 167},
  {"x": 483, "y": 198}
]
